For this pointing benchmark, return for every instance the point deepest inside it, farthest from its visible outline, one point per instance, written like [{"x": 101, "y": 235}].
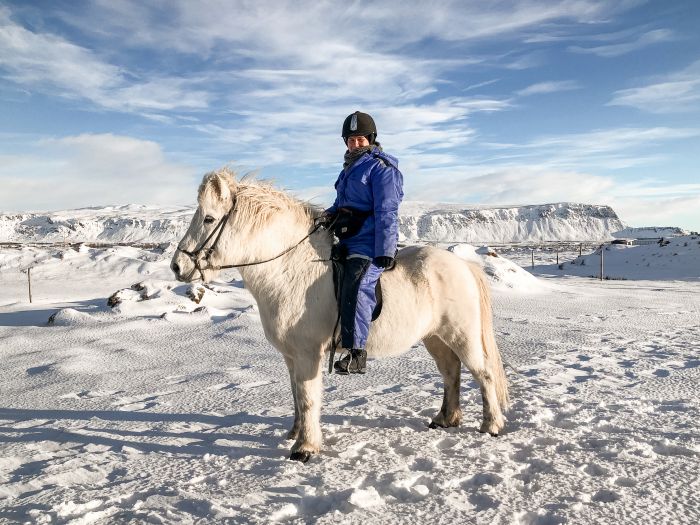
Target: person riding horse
[{"x": 364, "y": 217}]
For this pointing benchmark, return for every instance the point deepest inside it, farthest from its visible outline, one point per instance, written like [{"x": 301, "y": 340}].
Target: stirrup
[{"x": 352, "y": 362}]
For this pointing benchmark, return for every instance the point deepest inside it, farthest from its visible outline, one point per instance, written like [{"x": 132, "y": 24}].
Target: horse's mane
[{"x": 257, "y": 200}]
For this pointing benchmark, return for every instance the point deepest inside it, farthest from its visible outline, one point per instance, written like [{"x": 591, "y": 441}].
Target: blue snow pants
[{"x": 357, "y": 300}]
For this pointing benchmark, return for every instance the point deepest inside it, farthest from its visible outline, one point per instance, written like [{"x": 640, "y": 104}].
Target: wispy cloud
[
  {"x": 609, "y": 149},
  {"x": 677, "y": 92},
  {"x": 542, "y": 88},
  {"x": 646, "y": 39},
  {"x": 51, "y": 64}
]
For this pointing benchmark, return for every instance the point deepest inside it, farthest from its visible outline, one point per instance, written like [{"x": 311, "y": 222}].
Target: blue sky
[{"x": 509, "y": 102}]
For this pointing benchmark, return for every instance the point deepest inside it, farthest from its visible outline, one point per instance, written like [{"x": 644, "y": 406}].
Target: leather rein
[{"x": 218, "y": 230}]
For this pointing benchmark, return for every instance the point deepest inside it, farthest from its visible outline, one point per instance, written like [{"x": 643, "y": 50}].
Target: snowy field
[{"x": 162, "y": 410}]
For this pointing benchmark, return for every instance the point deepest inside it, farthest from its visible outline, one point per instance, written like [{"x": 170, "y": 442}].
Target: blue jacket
[{"x": 373, "y": 183}]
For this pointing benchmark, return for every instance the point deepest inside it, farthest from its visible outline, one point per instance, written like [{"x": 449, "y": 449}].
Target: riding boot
[{"x": 355, "y": 362}]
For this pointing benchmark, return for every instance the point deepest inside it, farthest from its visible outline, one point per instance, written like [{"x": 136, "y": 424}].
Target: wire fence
[{"x": 21, "y": 273}]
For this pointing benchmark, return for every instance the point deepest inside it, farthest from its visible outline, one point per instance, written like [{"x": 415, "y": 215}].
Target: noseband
[
  {"x": 194, "y": 255},
  {"x": 218, "y": 230}
]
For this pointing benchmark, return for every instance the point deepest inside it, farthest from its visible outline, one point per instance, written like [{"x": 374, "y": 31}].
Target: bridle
[{"x": 218, "y": 230}]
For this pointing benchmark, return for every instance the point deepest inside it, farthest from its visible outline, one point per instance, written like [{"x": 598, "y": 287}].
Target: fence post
[
  {"x": 602, "y": 249},
  {"x": 580, "y": 248},
  {"x": 29, "y": 282},
  {"x": 533, "y": 259},
  {"x": 557, "y": 256}
]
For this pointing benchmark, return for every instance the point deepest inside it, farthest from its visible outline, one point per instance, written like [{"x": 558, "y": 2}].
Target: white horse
[{"x": 431, "y": 295}]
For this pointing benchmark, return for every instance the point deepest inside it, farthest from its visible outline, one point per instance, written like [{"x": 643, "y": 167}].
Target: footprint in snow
[
  {"x": 606, "y": 496},
  {"x": 35, "y": 370},
  {"x": 424, "y": 465},
  {"x": 595, "y": 470}
]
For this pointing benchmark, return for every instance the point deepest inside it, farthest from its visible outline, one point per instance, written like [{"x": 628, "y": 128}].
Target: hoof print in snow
[{"x": 195, "y": 292}]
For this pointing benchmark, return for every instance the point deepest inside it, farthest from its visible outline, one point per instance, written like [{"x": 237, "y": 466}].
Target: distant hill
[
  {"x": 563, "y": 221},
  {"x": 418, "y": 221}
]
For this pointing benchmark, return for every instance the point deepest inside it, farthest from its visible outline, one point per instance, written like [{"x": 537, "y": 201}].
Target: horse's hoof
[
  {"x": 433, "y": 424},
  {"x": 302, "y": 456},
  {"x": 492, "y": 434}
]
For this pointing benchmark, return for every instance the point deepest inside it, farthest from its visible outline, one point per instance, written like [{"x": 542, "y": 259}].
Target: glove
[
  {"x": 383, "y": 261},
  {"x": 324, "y": 221}
]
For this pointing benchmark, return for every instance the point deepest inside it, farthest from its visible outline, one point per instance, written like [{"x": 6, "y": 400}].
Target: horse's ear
[{"x": 217, "y": 186}]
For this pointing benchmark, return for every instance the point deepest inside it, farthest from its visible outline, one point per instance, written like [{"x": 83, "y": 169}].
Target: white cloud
[
  {"x": 679, "y": 211},
  {"x": 298, "y": 27},
  {"x": 648, "y": 203},
  {"x": 614, "y": 50},
  {"x": 542, "y": 88},
  {"x": 51, "y": 64},
  {"x": 514, "y": 184},
  {"x": 89, "y": 170},
  {"x": 679, "y": 91}
]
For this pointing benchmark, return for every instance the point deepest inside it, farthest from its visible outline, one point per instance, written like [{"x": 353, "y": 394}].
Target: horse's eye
[{"x": 208, "y": 219}]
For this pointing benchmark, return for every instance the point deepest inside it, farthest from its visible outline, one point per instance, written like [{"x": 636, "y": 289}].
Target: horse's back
[{"x": 428, "y": 287}]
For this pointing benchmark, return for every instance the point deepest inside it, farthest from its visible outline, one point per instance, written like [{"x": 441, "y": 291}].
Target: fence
[
  {"x": 551, "y": 252},
  {"x": 522, "y": 253}
]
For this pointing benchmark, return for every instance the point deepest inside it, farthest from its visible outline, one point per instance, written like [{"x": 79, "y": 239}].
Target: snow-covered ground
[{"x": 162, "y": 410}]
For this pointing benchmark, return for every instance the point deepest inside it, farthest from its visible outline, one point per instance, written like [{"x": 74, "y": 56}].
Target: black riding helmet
[{"x": 359, "y": 124}]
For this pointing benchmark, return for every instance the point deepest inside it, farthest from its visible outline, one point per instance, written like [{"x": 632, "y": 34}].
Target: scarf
[{"x": 351, "y": 157}]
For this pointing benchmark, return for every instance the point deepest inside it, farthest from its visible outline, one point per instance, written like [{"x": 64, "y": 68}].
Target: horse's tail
[{"x": 488, "y": 339}]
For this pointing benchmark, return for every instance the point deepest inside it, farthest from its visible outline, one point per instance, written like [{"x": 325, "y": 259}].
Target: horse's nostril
[{"x": 175, "y": 268}]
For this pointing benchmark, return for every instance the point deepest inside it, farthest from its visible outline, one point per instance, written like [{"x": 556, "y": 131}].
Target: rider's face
[{"x": 358, "y": 141}]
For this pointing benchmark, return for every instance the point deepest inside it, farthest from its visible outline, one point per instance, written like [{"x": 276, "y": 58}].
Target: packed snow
[{"x": 169, "y": 406}]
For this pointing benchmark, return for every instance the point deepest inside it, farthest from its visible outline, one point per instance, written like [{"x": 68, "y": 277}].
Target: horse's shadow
[{"x": 200, "y": 442}]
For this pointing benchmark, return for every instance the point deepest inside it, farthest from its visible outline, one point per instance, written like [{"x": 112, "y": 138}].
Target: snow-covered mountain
[
  {"x": 129, "y": 223},
  {"x": 650, "y": 232},
  {"x": 418, "y": 221},
  {"x": 564, "y": 221}
]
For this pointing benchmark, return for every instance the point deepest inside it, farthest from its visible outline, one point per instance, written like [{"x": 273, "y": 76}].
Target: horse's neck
[{"x": 288, "y": 278}]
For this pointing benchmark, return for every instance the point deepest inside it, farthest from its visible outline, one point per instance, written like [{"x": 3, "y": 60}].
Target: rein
[{"x": 218, "y": 230}]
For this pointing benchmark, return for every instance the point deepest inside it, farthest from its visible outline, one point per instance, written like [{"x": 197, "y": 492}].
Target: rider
[{"x": 366, "y": 212}]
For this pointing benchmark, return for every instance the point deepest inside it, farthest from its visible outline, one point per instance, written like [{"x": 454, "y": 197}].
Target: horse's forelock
[{"x": 217, "y": 182}]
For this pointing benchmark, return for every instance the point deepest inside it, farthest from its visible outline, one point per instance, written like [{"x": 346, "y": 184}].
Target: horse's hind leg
[
  {"x": 294, "y": 431},
  {"x": 450, "y": 367},
  {"x": 471, "y": 352}
]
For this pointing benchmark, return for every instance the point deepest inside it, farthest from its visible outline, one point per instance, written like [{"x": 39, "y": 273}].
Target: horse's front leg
[
  {"x": 294, "y": 431},
  {"x": 308, "y": 385}
]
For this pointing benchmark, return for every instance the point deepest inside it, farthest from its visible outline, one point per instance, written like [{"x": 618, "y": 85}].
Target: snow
[
  {"x": 673, "y": 258},
  {"x": 417, "y": 221},
  {"x": 164, "y": 410},
  {"x": 563, "y": 221},
  {"x": 649, "y": 232}
]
